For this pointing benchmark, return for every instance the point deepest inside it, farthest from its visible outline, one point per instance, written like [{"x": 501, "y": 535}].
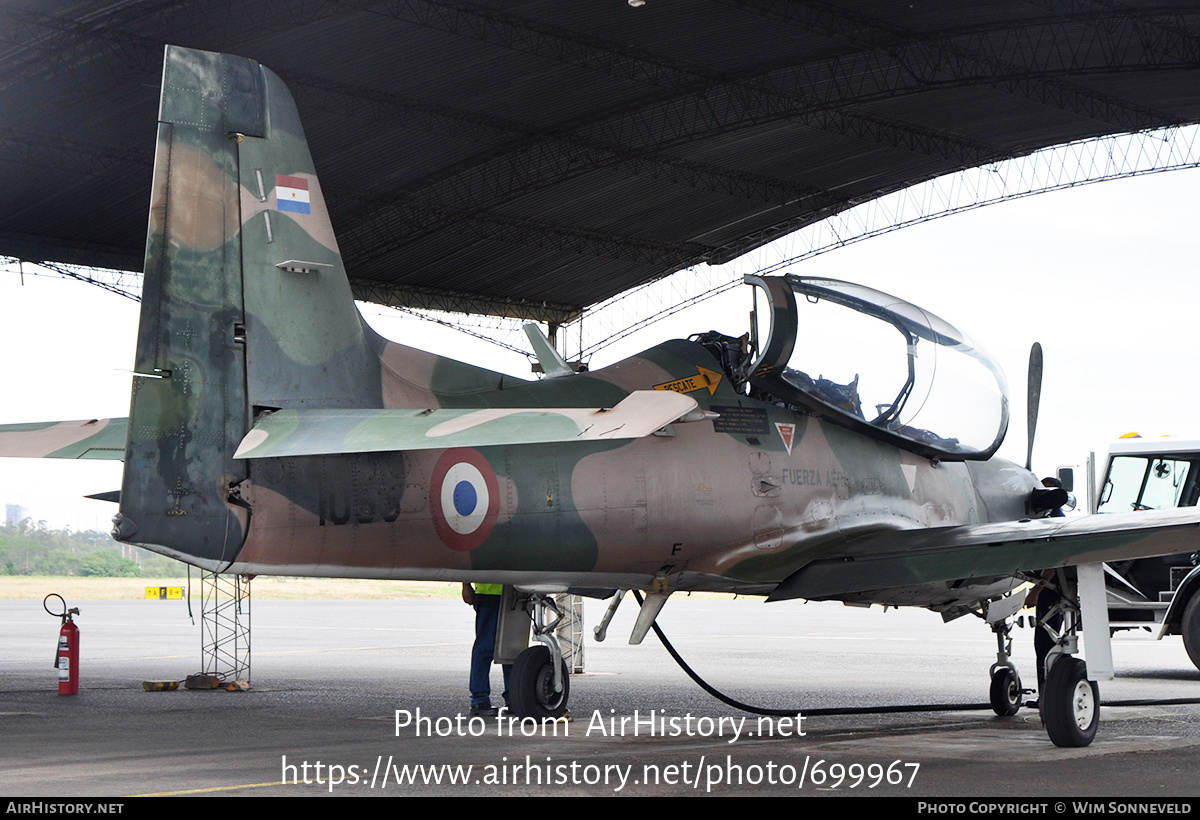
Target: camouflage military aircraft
[{"x": 272, "y": 432}]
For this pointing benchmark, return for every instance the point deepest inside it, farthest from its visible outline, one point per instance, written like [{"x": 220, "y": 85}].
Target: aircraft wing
[
  {"x": 899, "y": 558},
  {"x": 326, "y": 432},
  {"x": 92, "y": 438}
]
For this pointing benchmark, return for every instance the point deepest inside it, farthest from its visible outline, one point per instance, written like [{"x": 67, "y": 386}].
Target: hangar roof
[{"x": 539, "y": 156}]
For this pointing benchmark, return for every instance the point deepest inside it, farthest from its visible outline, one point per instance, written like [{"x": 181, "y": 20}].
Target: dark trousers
[
  {"x": 1043, "y": 643},
  {"x": 487, "y": 618}
]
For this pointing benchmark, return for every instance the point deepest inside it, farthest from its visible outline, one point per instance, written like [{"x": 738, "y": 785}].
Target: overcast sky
[{"x": 1105, "y": 276}]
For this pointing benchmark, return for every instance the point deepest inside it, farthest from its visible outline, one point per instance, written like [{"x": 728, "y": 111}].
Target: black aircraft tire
[
  {"x": 1006, "y": 692},
  {"x": 1190, "y": 627},
  {"x": 532, "y": 685},
  {"x": 1071, "y": 704}
]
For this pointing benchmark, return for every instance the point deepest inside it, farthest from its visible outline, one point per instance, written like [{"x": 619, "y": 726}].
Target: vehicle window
[
  {"x": 1164, "y": 484},
  {"x": 1149, "y": 483},
  {"x": 1124, "y": 485}
]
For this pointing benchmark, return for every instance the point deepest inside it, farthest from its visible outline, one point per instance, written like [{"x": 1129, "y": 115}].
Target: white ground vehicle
[{"x": 1157, "y": 594}]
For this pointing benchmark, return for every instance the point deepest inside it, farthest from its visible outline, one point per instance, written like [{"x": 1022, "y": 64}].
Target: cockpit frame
[{"x": 771, "y": 376}]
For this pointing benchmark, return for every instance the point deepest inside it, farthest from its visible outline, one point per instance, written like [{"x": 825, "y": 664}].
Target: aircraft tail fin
[{"x": 245, "y": 303}]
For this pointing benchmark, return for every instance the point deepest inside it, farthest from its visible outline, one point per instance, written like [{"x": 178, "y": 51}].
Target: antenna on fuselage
[{"x": 1033, "y": 398}]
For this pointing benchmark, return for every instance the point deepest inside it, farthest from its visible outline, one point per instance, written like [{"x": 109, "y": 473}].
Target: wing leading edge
[{"x": 901, "y": 558}]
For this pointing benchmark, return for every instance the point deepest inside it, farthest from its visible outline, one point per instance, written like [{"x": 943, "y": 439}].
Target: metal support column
[
  {"x": 225, "y": 625},
  {"x": 570, "y": 631}
]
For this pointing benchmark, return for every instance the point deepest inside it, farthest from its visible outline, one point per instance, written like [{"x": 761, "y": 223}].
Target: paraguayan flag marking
[{"x": 291, "y": 194}]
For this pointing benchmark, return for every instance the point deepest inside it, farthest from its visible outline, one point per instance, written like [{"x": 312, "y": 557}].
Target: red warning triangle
[{"x": 786, "y": 432}]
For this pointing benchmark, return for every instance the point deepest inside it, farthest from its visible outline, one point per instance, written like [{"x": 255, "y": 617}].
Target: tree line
[{"x": 32, "y": 548}]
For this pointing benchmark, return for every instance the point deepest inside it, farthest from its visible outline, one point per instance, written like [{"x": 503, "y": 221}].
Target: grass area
[{"x": 35, "y": 587}]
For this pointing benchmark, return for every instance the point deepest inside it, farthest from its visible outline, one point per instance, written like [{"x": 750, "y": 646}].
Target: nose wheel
[{"x": 1006, "y": 692}]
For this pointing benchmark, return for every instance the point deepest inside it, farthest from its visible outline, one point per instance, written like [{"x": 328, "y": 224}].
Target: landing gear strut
[
  {"x": 1069, "y": 703},
  {"x": 539, "y": 685},
  {"x": 1006, "y": 692}
]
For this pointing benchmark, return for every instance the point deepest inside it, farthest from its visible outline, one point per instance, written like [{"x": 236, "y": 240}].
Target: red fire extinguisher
[{"x": 66, "y": 658}]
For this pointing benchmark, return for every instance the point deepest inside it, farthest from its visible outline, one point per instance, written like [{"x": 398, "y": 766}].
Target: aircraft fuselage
[{"x": 716, "y": 504}]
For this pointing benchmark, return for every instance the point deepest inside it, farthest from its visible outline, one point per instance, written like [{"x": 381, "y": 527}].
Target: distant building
[{"x": 14, "y": 514}]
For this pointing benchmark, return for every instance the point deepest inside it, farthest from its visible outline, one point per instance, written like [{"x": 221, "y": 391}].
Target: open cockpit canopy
[{"x": 876, "y": 364}]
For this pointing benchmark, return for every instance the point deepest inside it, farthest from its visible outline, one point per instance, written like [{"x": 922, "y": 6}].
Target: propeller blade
[{"x": 1034, "y": 397}]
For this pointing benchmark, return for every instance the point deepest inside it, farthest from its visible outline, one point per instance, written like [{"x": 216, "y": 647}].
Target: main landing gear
[
  {"x": 539, "y": 685},
  {"x": 1069, "y": 703}
]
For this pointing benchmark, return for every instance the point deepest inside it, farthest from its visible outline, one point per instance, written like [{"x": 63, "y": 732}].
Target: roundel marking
[{"x": 465, "y": 498}]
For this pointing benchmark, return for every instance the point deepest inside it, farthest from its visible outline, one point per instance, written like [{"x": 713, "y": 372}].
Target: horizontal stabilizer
[
  {"x": 900, "y": 558},
  {"x": 328, "y": 432},
  {"x": 92, "y": 438},
  {"x": 112, "y": 495}
]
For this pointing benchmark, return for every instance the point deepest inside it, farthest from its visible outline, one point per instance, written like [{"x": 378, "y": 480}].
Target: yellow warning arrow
[{"x": 704, "y": 378}]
